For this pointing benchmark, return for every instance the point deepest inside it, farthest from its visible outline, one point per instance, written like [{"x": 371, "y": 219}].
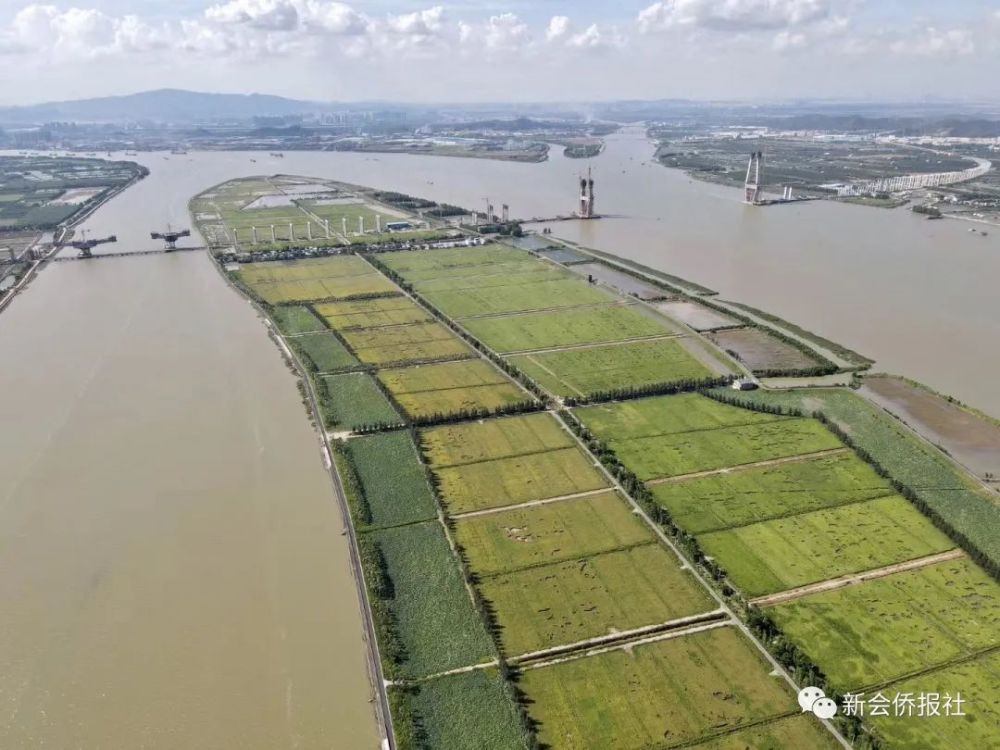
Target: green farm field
[
  {"x": 517, "y": 479},
  {"x": 324, "y": 352},
  {"x": 467, "y": 710},
  {"x": 451, "y": 388},
  {"x": 956, "y": 497},
  {"x": 788, "y": 552},
  {"x": 516, "y": 297},
  {"x": 442, "y": 262},
  {"x": 527, "y": 271},
  {"x": 371, "y": 313},
  {"x": 655, "y": 695},
  {"x": 978, "y": 683},
  {"x": 338, "y": 277},
  {"x": 353, "y": 212},
  {"x": 353, "y": 400},
  {"x": 883, "y": 629},
  {"x": 471, "y": 442},
  {"x": 592, "y": 325},
  {"x": 413, "y": 342},
  {"x": 568, "y": 602},
  {"x": 581, "y": 372},
  {"x": 292, "y": 319},
  {"x": 395, "y": 484},
  {"x": 310, "y": 269},
  {"x": 432, "y": 610},
  {"x": 722, "y": 501},
  {"x": 677, "y": 454},
  {"x": 520, "y": 538},
  {"x": 665, "y": 415},
  {"x": 791, "y": 733}
]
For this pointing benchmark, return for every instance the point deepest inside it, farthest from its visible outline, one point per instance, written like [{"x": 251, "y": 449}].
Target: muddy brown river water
[{"x": 171, "y": 560}]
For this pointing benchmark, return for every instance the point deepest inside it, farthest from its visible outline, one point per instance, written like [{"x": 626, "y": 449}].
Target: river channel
[{"x": 171, "y": 559}]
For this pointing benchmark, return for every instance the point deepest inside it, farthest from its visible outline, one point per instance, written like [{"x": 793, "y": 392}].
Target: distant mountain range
[{"x": 162, "y": 105}]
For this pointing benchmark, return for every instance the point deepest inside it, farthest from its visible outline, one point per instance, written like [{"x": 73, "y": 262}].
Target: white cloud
[
  {"x": 505, "y": 32},
  {"x": 317, "y": 16},
  {"x": 77, "y": 33},
  {"x": 558, "y": 28},
  {"x": 731, "y": 15},
  {"x": 785, "y": 41},
  {"x": 424, "y": 23},
  {"x": 932, "y": 42}
]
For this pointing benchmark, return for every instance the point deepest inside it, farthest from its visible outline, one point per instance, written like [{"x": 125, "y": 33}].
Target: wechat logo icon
[{"x": 815, "y": 700}]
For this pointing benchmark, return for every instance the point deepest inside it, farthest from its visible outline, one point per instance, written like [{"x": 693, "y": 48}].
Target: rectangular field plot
[
  {"x": 466, "y": 710},
  {"x": 406, "y": 343},
  {"x": 393, "y": 481},
  {"x": 722, "y": 501},
  {"x": 431, "y": 607},
  {"x": 538, "y": 535},
  {"x": 445, "y": 260},
  {"x": 788, "y": 552},
  {"x": 581, "y": 372},
  {"x": 978, "y": 683},
  {"x": 517, "y": 479},
  {"x": 451, "y": 388},
  {"x": 885, "y": 628},
  {"x": 342, "y": 287},
  {"x": 324, "y": 352},
  {"x": 292, "y": 319},
  {"x": 516, "y": 297},
  {"x": 303, "y": 270},
  {"x": 453, "y": 445},
  {"x": 592, "y": 325},
  {"x": 527, "y": 271},
  {"x": 352, "y": 400},
  {"x": 654, "y": 695},
  {"x": 802, "y": 732},
  {"x": 371, "y": 313},
  {"x": 665, "y": 415},
  {"x": 707, "y": 450},
  {"x": 568, "y": 602},
  {"x": 761, "y": 351}
]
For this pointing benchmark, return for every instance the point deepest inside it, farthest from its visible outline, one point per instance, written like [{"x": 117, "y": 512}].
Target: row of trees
[{"x": 624, "y": 393}]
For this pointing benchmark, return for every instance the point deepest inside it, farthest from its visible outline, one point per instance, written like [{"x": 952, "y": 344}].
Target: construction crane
[
  {"x": 85, "y": 246},
  {"x": 170, "y": 237}
]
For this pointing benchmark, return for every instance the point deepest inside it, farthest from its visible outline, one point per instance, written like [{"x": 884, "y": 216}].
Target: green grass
[
  {"x": 571, "y": 601},
  {"x": 581, "y": 372},
  {"x": 443, "y": 261},
  {"x": 523, "y": 537},
  {"x": 707, "y": 450},
  {"x": 451, "y": 388},
  {"x": 882, "y": 629},
  {"x": 434, "y": 616},
  {"x": 405, "y": 343},
  {"x": 665, "y": 415},
  {"x": 309, "y": 269},
  {"x": 296, "y": 319},
  {"x": 788, "y": 552},
  {"x": 654, "y": 695},
  {"x": 354, "y": 400},
  {"x": 802, "y": 732},
  {"x": 515, "y": 297},
  {"x": 527, "y": 271},
  {"x": 324, "y": 352},
  {"x": 965, "y": 505},
  {"x": 978, "y": 683},
  {"x": 722, "y": 501},
  {"x": 592, "y": 325},
  {"x": 394, "y": 481},
  {"x": 370, "y": 313},
  {"x": 457, "y": 444},
  {"x": 469, "y": 710},
  {"x": 517, "y": 479}
]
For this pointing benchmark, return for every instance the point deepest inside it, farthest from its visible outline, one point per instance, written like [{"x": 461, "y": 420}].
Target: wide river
[{"x": 171, "y": 560}]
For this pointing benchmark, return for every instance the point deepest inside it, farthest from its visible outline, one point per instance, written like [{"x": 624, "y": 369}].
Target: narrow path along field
[
  {"x": 855, "y": 578},
  {"x": 747, "y": 467}
]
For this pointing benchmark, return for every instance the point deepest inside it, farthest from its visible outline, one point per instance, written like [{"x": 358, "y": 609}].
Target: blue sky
[{"x": 519, "y": 50}]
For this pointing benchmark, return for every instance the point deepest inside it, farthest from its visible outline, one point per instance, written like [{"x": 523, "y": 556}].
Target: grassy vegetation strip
[
  {"x": 583, "y": 372},
  {"x": 393, "y": 481},
  {"x": 405, "y": 344},
  {"x": 654, "y": 695},
  {"x": 354, "y": 402},
  {"x": 293, "y": 319},
  {"x": 437, "y": 625},
  {"x": 543, "y": 294},
  {"x": 460, "y": 444},
  {"x": 567, "y": 602},
  {"x": 722, "y": 501},
  {"x": 949, "y": 609},
  {"x": 787, "y": 552},
  {"x": 537, "y": 535},
  {"x": 791, "y": 732},
  {"x": 468, "y": 710},
  {"x": 371, "y": 313},
  {"x": 591, "y": 325}
]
